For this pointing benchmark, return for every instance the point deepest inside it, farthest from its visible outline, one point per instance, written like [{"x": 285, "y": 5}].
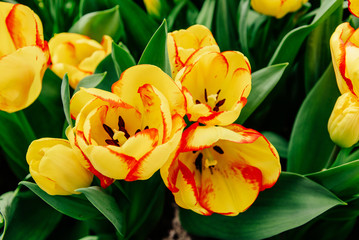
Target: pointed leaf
[
  {"x": 122, "y": 58},
  {"x": 74, "y": 206},
  {"x": 107, "y": 205},
  {"x": 97, "y": 24},
  {"x": 309, "y": 144},
  {"x": 293, "y": 201},
  {"x": 91, "y": 81},
  {"x": 263, "y": 81},
  {"x": 65, "y": 96},
  {"x": 225, "y": 35},
  {"x": 205, "y": 16},
  {"x": 107, "y": 65},
  {"x": 156, "y": 50}
]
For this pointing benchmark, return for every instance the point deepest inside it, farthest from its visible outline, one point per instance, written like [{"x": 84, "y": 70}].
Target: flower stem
[
  {"x": 333, "y": 156},
  {"x": 25, "y": 125}
]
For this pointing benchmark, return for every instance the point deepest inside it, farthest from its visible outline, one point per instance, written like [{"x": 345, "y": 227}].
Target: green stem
[
  {"x": 333, "y": 156},
  {"x": 25, "y": 125}
]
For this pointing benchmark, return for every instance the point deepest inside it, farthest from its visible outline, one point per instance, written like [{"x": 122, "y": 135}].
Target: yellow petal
[
  {"x": 90, "y": 63},
  {"x": 351, "y": 66},
  {"x": 21, "y": 82},
  {"x": 107, "y": 44},
  {"x": 7, "y": 46},
  {"x": 137, "y": 76},
  {"x": 277, "y": 8},
  {"x": 75, "y": 75},
  {"x": 344, "y": 121},
  {"x": 61, "y": 38}
]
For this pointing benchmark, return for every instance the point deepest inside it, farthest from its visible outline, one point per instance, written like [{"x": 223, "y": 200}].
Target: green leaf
[
  {"x": 293, "y": 201},
  {"x": 156, "y": 50},
  {"x": 342, "y": 180},
  {"x": 205, "y": 16},
  {"x": 309, "y": 144},
  {"x": 278, "y": 142},
  {"x": 73, "y": 206},
  {"x": 243, "y": 11},
  {"x": 107, "y": 205},
  {"x": 224, "y": 26},
  {"x": 26, "y": 216},
  {"x": 122, "y": 58},
  {"x": 97, "y": 24},
  {"x": 107, "y": 65},
  {"x": 263, "y": 81},
  {"x": 173, "y": 15},
  {"x": 291, "y": 43},
  {"x": 65, "y": 96},
  {"x": 91, "y": 81},
  {"x": 317, "y": 52}
]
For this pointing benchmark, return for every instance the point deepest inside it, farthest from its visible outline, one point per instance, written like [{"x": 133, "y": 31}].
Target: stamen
[
  {"x": 112, "y": 142},
  {"x": 205, "y": 95},
  {"x": 137, "y": 131},
  {"x": 218, "y": 149},
  {"x": 108, "y": 130},
  {"x": 194, "y": 152},
  {"x": 146, "y": 128},
  {"x": 197, "y": 101},
  {"x": 198, "y": 162},
  {"x": 121, "y": 122},
  {"x": 218, "y": 104}
]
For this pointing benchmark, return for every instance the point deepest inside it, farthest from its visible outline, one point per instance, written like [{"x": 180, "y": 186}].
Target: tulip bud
[
  {"x": 277, "y": 8},
  {"x": 343, "y": 125},
  {"x": 56, "y": 167},
  {"x": 23, "y": 57},
  {"x": 353, "y": 7}
]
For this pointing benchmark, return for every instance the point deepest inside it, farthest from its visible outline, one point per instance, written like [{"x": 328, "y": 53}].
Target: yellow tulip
[
  {"x": 123, "y": 141},
  {"x": 185, "y": 46},
  {"x": 153, "y": 7},
  {"x": 221, "y": 169},
  {"x": 216, "y": 87},
  {"x": 277, "y": 8},
  {"x": 343, "y": 123},
  {"x": 353, "y": 6},
  {"x": 77, "y": 55},
  {"x": 23, "y": 57},
  {"x": 56, "y": 167}
]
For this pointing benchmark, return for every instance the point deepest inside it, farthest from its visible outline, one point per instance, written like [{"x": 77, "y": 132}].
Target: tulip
[
  {"x": 343, "y": 123},
  {"x": 353, "y": 7},
  {"x": 216, "y": 87},
  {"x": 23, "y": 57},
  {"x": 277, "y": 8},
  {"x": 221, "y": 169},
  {"x": 123, "y": 141},
  {"x": 56, "y": 167},
  {"x": 77, "y": 55},
  {"x": 156, "y": 8},
  {"x": 185, "y": 46}
]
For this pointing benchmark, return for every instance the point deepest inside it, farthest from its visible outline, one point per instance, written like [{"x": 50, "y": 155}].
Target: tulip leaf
[
  {"x": 65, "y": 96},
  {"x": 97, "y": 24},
  {"x": 107, "y": 65},
  {"x": 107, "y": 205},
  {"x": 243, "y": 11},
  {"x": 26, "y": 216},
  {"x": 292, "y": 42},
  {"x": 156, "y": 52},
  {"x": 263, "y": 81},
  {"x": 309, "y": 144},
  {"x": 173, "y": 15},
  {"x": 293, "y": 201},
  {"x": 91, "y": 81},
  {"x": 205, "y": 16},
  {"x": 122, "y": 58},
  {"x": 224, "y": 26},
  {"x": 75, "y": 206},
  {"x": 342, "y": 180}
]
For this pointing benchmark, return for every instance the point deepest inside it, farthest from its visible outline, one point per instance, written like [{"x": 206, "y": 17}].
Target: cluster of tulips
[{"x": 182, "y": 125}]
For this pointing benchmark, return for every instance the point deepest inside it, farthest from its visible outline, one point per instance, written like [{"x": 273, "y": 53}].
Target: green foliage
[{"x": 65, "y": 96}]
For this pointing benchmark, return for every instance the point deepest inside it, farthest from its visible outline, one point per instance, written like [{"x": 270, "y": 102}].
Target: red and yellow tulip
[
  {"x": 77, "y": 55},
  {"x": 353, "y": 6},
  {"x": 23, "y": 56},
  {"x": 221, "y": 169},
  {"x": 131, "y": 135},
  {"x": 343, "y": 123},
  {"x": 209, "y": 85},
  {"x": 277, "y": 8},
  {"x": 56, "y": 167},
  {"x": 185, "y": 46}
]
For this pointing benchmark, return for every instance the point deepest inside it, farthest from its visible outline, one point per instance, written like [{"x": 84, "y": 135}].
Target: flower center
[
  {"x": 209, "y": 161},
  {"x": 212, "y": 100},
  {"x": 118, "y": 137}
]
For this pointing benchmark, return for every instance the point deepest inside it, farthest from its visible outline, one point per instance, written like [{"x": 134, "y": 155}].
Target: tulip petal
[
  {"x": 75, "y": 75},
  {"x": 7, "y": 46},
  {"x": 61, "y": 38},
  {"x": 90, "y": 63},
  {"x": 135, "y": 77},
  {"x": 21, "y": 82},
  {"x": 353, "y": 6}
]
